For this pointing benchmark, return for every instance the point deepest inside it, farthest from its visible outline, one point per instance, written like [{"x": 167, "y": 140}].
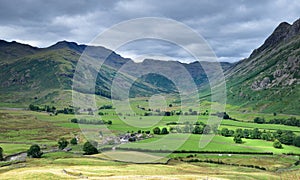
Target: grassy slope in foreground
[{"x": 65, "y": 166}]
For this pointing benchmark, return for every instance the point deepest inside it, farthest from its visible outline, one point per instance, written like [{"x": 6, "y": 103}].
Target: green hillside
[
  {"x": 43, "y": 74},
  {"x": 268, "y": 81}
]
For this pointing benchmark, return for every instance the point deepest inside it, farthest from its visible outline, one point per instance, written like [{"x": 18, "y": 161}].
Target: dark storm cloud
[{"x": 232, "y": 28}]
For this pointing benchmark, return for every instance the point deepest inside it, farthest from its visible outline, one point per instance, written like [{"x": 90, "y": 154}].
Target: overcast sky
[{"x": 232, "y": 28}]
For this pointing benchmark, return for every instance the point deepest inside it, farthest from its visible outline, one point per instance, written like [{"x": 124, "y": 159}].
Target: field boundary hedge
[{"x": 186, "y": 151}]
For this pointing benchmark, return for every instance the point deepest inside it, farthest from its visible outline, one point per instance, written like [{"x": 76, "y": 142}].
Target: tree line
[
  {"x": 292, "y": 121},
  {"x": 283, "y": 136},
  {"x": 52, "y": 109},
  {"x": 95, "y": 122}
]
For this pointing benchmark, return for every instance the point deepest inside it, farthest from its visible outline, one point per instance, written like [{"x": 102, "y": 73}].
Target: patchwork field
[{"x": 22, "y": 128}]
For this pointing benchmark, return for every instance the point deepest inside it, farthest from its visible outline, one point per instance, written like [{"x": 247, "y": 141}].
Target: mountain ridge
[{"x": 264, "y": 81}]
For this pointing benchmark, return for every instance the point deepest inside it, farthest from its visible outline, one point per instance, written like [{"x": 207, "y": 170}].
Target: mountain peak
[
  {"x": 69, "y": 45},
  {"x": 283, "y": 32}
]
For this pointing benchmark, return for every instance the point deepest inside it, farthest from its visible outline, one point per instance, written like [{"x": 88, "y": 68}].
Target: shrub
[
  {"x": 237, "y": 139},
  {"x": 277, "y": 144},
  {"x": 34, "y": 151}
]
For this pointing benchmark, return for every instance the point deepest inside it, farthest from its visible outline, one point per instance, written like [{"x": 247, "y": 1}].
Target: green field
[
  {"x": 218, "y": 143},
  {"x": 24, "y": 128}
]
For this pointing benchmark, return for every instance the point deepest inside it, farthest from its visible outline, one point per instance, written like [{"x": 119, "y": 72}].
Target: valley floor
[{"x": 21, "y": 128}]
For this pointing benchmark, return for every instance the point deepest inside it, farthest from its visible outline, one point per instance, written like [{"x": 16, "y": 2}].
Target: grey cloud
[{"x": 233, "y": 28}]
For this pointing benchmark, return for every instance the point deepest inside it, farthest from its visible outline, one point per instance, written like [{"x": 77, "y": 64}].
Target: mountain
[
  {"x": 31, "y": 74},
  {"x": 10, "y": 51},
  {"x": 269, "y": 79},
  {"x": 43, "y": 75}
]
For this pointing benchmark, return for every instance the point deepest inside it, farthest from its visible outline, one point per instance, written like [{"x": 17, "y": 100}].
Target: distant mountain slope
[
  {"x": 10, "y": 51},
  {"x": 31, "y": 74},
  {"x": 269, "y": 80}
]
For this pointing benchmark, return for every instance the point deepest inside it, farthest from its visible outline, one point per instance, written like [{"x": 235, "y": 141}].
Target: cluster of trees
[
  {"x": 157, "y": 130},
  {"x": 197, "y": 128},
  {"x": 139, "y": 132},
  {"x": 223, "y": 115},
  {"x": 52, "y": 109},
  {"x": 66, "y": 111},
  {"x": 187, "y": 127},
  {"x": 45, "y": 108},
  {"x": 283, "y": 136},
  {"x": 158, "y": 112},
  {"x": 85, "y": 121},
  {"x": 35, "y": 151},
  {"x": 106, "y": 107},
  {"x": 292, "y": 121}
]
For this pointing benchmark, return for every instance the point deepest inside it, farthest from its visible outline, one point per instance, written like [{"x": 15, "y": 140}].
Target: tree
[
  {"x": 255, "y": 134},
  {"x": 226, "y": 116},
  {"x": 73, "y": 141},
  {"x": 231, "y": 133},
  {"x": 164, "y": 131},
  {"x": 90, "y": 148},
  {"x": 225, "y": 132},
  {"x": 156, "y": 130},
  {"x": 1, "y": 154},
  {"x": 74, "y": 120},
  {"x": 267, "y": 136},
  {"x": 237, "y": 139},
  {"x": 186, "y": 129},
  {"x": 277, "y": 144},
  {"x": 259, "y": 120},
  {"x": 197, "y": 130},
  {"x": 239, "y": 132},
  {"x": 214, "y": 128},
  {"x": 206, "y": 129},
  {"x": 34, "y": 151},
  {"x": 297, "y": 141},
  {"x": 62, "y": 143},
  {"x": 246, "y": 133},
  {"x": 287, "y": 137}
]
